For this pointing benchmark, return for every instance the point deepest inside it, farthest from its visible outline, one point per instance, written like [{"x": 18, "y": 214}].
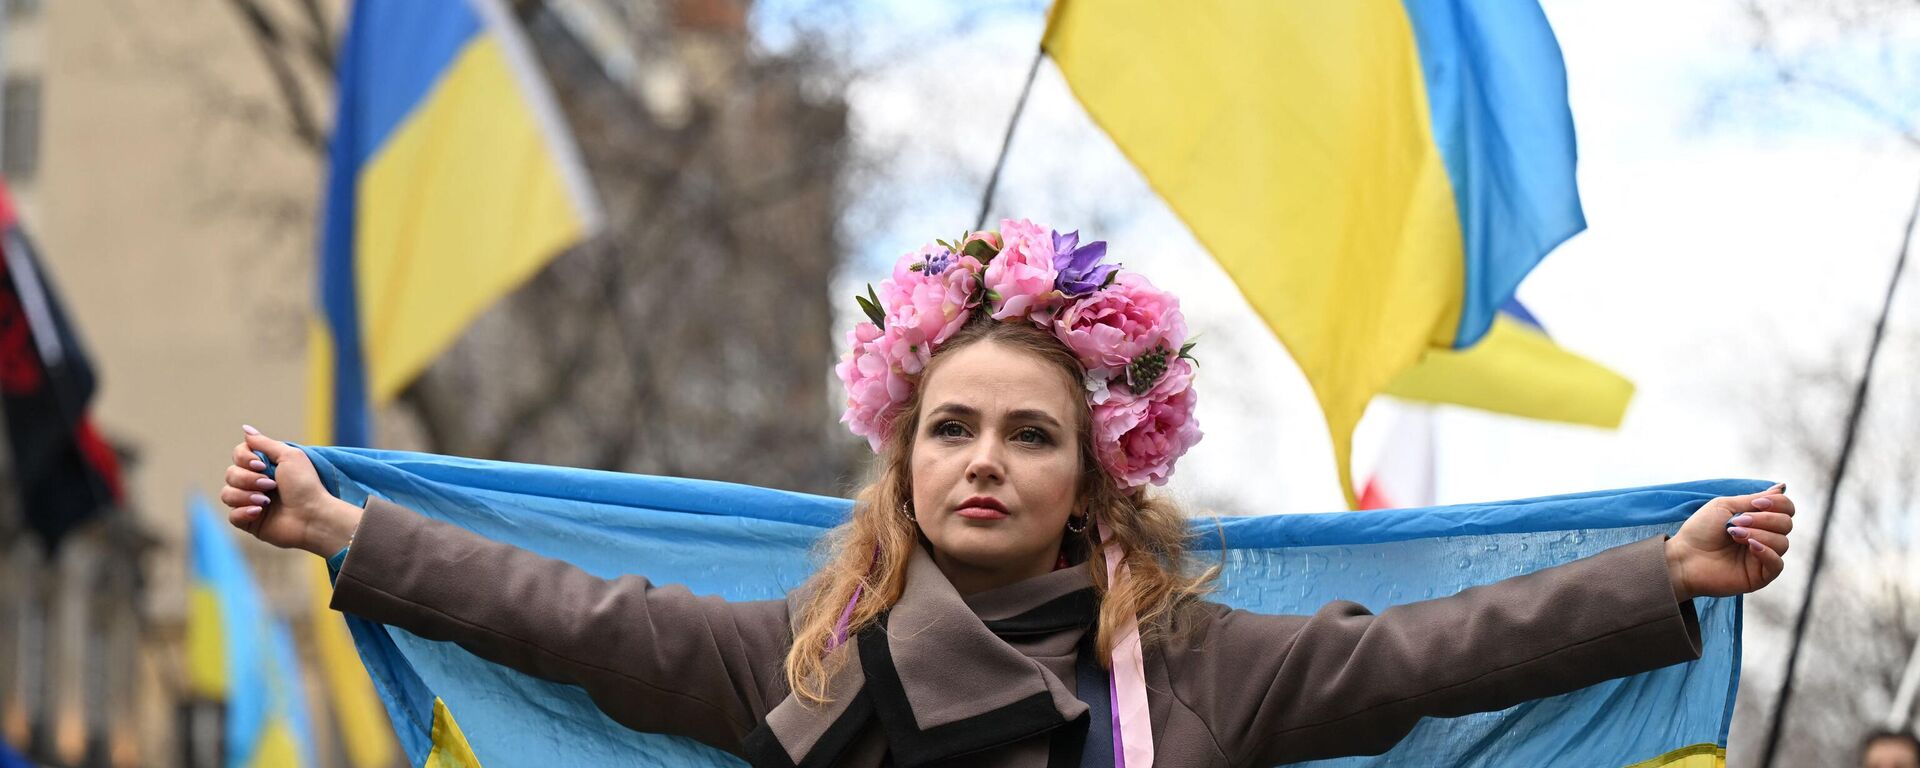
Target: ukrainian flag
[
  {"x": 452, "y": 179},
  {"x": 1517, "y": 369},
  {"x": 747, "y": 543},
  {"x": 1376, "y": 175},
  {"x": 237, "y": 651}
]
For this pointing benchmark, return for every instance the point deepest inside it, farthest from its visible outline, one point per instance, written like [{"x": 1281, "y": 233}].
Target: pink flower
[
  {"x": 1020, "y": 279},
  {"x": 926, "y": 301},
  {"x": 876, "y": 384},
  {"x": 988, "y": 236},
  {"x": 1116, "y": 325},
  {"x": 1139, "y": 437}
]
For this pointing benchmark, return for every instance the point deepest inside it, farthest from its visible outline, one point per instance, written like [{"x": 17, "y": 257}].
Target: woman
[{"x": 1007, "y": 591}]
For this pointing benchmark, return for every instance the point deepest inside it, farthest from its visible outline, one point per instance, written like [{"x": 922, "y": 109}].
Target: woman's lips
[
  {"x": 982, "y": 508},
  {"x": 981, "y": 513}
]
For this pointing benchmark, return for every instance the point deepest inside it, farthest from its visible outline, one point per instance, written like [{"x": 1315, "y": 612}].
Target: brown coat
[{"x": 993, "y": 676}]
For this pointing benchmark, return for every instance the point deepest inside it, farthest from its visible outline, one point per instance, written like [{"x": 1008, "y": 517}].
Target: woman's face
[{"x": 996, "y": 463}]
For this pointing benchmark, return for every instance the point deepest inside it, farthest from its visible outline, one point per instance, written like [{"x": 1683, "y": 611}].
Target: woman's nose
[{"x": 985, "y": 465}]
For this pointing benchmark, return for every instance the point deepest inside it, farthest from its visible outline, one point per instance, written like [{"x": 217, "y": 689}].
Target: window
[{"x": 20, "y": 128}]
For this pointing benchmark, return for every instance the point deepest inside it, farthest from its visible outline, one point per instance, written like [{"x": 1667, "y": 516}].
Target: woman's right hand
[{"x": 292, "y": 509}]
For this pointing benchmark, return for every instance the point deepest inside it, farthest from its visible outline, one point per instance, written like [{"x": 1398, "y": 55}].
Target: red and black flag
[{"x": 65, "y": 473}]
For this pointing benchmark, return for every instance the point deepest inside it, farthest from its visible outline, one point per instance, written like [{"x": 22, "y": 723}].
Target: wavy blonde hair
[{"x": 868, "y": 554}]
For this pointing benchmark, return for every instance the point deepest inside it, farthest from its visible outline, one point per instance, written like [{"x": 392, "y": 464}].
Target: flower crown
[{"x": 1129, "y": 335}]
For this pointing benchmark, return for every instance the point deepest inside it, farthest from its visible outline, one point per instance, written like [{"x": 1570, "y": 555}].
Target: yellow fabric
[
  {"x": 206, "y": 644},
  {"x": 1515, "y": 369},
  {"x": 277, "y": 748},
  {"x": 1311, "y": 176},
  {"x": 357, "y": 711},
  {"x": 463, "y": 203},
  {"x": 450, "y": 749},
  {"x": 1694, "y": 756}
]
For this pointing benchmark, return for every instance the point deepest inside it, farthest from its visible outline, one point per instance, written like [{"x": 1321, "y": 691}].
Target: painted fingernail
[
  {"x": 248, "y": 511},
  {"x": 1763, "y": 503},
  {"x": 248, "y": 428},
  {"x": 265, "y": 484},
  {"x": 1756, "y": 546},
  {"x": 257, "y": 465},
  {"x": 260, "y": 499},
  {"x": 1739, "y": 533},
  {"x": 1779, "y": 487},
  {"x": 1743, "y": 520}
]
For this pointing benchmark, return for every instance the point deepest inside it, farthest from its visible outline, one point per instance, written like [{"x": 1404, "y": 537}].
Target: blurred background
[{"x": 1747, "y": 170}]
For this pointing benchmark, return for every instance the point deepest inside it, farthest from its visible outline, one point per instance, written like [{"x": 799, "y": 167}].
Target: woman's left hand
[{"x": 1731, "y": 546}]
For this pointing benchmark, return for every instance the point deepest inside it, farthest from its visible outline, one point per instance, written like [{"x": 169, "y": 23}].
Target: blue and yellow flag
[
  {"x": 1517, "y": 369},
  {"x": 239, "y": 652},
  {"x": 1376, "y": 175},
  {"x": 452, "y": 178},
  {"x": 748, "y": 543}
]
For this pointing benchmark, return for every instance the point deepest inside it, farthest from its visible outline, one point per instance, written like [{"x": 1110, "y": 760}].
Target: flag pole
[
  {"x": 1006, "y": 142},
  {"x": 1833, "y": 495}
]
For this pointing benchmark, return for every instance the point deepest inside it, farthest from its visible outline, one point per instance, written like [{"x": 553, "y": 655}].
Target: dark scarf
[{"x": 938, "y": 676}]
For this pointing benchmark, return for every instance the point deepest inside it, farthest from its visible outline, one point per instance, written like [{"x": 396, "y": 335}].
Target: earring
[
  {"x": 1082, "y": 528},
  {"x": 906, "y": 510}
]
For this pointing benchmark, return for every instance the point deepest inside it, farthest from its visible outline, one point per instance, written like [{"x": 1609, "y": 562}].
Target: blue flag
[
  {"x": 748, "y": 543},
  {"x": 239, "y": 651}
]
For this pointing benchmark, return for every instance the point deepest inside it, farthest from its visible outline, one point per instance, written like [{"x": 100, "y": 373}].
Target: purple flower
[
  {"x": 1078, "y": 266},
  {"x": 937, "y": 260}
]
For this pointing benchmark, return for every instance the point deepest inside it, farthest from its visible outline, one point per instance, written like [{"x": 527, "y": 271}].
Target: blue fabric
[
  {"x": 335, "y": 562},
  {"x": 744, "y": 543},
  {"x": 1497, "y": 101}
]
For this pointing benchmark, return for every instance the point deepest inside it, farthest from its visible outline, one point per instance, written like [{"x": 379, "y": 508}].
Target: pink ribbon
[{"x": 1132, "y": 722}]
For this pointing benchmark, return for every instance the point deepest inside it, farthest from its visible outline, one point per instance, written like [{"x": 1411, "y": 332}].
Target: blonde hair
[{"x": 868, "y": 554}]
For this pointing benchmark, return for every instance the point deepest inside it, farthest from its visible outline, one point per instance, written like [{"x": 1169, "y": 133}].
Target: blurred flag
[
  {"x": 747, "y": 543},
  {"x": 66, "y": 474},
  {"x": 1404, "y": 475},
  {"x": 1517, "y": 369},
  {"x": 1376, "y": 176},
  {"x": 237, "y": 651},
  {"x": 452, "y": 180},
  {"x": 10, "y": 758}
]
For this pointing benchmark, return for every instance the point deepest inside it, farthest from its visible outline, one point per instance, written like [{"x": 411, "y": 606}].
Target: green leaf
[
  {"x": 1186, "y": 351},
  {"x": 980, "y": 249},
  {"x": 870, "y": 304},
  {"x": 1111, "y": 276}
]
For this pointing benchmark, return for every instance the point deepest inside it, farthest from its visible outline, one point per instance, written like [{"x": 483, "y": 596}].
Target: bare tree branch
[
  {"x": 272, "y": 47},
  {"x": 320, "y": 45}
]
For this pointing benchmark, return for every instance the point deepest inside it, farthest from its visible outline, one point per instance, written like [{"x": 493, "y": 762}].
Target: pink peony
[
  {"x": 924, "y": 306},
  {"x": 1138, "y": 438},
  {"x": 1020, "y": 279},
  {"x": 876, "y": 384},
  {"x": 1110, "y": 328}
]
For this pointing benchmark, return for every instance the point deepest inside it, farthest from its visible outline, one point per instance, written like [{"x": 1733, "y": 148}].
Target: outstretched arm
[
  {"x": 1343, "y": 681},
  {"x": 655, "y": 659}
]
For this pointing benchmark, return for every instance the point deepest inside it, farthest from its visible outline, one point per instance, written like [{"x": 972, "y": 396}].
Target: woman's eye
[
  {"x": 949, "y": 429},
  {"x": 1033, "y": 436}
]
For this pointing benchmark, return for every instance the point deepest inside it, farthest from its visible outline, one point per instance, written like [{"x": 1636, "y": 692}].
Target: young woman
[{"x": 1008, "y": 592}]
